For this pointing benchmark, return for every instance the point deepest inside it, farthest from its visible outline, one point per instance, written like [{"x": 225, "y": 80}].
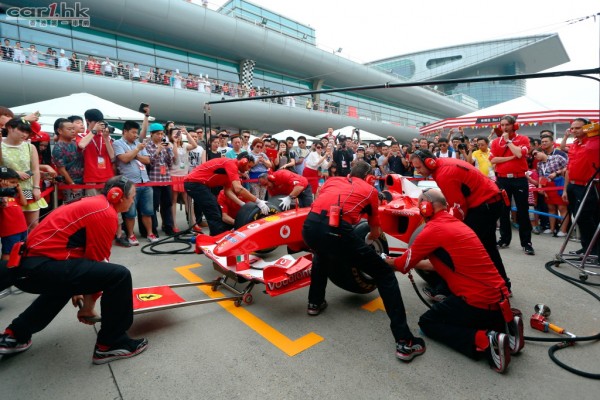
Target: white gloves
[
  {"x": 285, "y": 203},
  {"x": 264, "y": 207}
]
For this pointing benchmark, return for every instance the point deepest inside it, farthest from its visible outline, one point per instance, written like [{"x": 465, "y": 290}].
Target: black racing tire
[
  {"x": 250, "y": 212},
  {"x": 352, "y": 278},
  {"x": 427, "y": 276}
]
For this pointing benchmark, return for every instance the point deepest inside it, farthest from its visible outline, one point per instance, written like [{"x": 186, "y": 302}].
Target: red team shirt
[
  {"x": 462, "y": 183},
  {"x": 499, "y": 148},
  {"x": 97, "y": 166},
  {"x": 354, "y": 196},
  {"x": 285, "y": 181},
  {"x": 227, "y": 205},
  {"x": 465, "y": 265},
  {"x": 83, "y": 229},
  {"x": 216, "y": 172},
  {"x": 12, "y": 219},
  {"x": 584, "y": 158}
]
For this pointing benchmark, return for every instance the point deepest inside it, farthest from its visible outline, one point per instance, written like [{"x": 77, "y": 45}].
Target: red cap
[{"x": 40, "y": 137}]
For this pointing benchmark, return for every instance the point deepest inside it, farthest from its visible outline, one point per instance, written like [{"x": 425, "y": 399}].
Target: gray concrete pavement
[{"x": 206, "y": 351}]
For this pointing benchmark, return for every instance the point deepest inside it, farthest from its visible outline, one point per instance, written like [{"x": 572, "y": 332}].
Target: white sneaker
[
  {"x": 152, "y": 238},
  {"x": 561, "y": 234},
  {"x": 547, "y": 231},
  {"x": 133, "y": 241}
]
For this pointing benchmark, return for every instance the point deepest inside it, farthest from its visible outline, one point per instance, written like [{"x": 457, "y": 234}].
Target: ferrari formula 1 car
[{"x": 240, "y": 254}]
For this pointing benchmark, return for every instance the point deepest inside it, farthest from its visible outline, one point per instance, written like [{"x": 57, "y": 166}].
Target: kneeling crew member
[
  {"x": 289, "y": 184},
  {"x": 220, "y": 172},
  {"x": 63, "y": 260},
  {"x": 473, "y": 197},
  {"x": 335, "y": 245},
  {"x": 229, "y": 208},
  {"x": 472, "y": 318}
]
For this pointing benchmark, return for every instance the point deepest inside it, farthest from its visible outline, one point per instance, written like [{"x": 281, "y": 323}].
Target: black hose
[{"x": 179, "y": 238}]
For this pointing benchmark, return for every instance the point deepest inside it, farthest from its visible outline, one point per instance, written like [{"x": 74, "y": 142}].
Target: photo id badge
[
  {"x": 141, "y": 165},
  {"x": 163, "y": 169},
  {"x": 101, "y": 163}
]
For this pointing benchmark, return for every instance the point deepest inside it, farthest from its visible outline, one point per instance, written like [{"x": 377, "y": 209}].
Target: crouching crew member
[
  {"x": 473, "y": 197},
  {"x": 335, "y": 245},
  {"x": 66, "y": 257},
  {"x": 220, "y": 172},
  {"x": 473, "y": 318},
  {"x": 229, "y": 208},
  {"x": 289, "y": 184}
]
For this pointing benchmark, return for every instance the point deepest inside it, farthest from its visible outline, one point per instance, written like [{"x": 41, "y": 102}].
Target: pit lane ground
[{"x": 222, "y": 352}]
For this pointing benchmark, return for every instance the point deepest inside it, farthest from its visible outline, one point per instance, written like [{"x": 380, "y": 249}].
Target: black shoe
[
  {"x": 577, "y": 252},
  {"x": 529, "y": 250},
  {"x": 122, "y": 241},
  {"x": 498, "y": 353},
  {"x": 516, "y": 340},
  {"x": 10, "y": 345},
  {"x": 501, "y": 244},
  {"x": 406, "y": 350},
  {"x": 315, "y": 309},
  {"x": 125, "y": 349}
]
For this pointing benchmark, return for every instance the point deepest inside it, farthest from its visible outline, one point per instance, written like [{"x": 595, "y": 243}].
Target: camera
[
  {"x": 462, "y": 146},
  {"x": 59, "y": 179},
  {"x": 164, "y": 141},
  {"x": 8, "y": 192},
  {"x": 111, "y": 129}
]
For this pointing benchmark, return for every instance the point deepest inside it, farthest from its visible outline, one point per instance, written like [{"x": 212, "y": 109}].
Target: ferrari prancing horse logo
[{"x": 148, "y": 296}]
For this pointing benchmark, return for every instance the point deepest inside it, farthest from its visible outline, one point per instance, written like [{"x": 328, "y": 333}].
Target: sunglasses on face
[
  {"x": 319, "y": 147},
  {"x": 246, "y": 137},
  {"x": 301, "y": 141}
]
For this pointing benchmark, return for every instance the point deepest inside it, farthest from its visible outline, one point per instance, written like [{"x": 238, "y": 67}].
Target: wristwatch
[{"x": 509, "y": 141}]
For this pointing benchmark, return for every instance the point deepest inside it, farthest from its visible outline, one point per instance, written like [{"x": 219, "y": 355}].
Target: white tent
[
  {"x": 348, "y": 131},
  {"x": 291, "y": 133},
  {"x": 77, "y": 104}
]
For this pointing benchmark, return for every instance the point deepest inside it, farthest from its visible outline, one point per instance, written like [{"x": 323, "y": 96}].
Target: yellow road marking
[
  {"x": 374, "y": 305},
  {"x": 276, "y": 338}
]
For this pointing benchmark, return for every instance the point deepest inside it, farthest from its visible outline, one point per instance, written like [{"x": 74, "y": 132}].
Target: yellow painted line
[
  {"x": 374, "y": 305},
  {"x": 276, "y": 338}
]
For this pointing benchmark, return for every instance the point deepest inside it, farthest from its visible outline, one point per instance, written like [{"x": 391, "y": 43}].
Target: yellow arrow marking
[
  {"x": 276, "y": 338},
  {"x": 374, "y": 305}
]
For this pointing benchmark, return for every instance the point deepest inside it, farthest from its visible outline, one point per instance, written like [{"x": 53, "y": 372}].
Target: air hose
[{"x": 182, "y": 238}]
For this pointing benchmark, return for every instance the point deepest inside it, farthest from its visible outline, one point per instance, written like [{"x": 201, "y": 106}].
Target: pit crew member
[
  {"x": 220, "y": 172},
  {"x": 64, "y": 259},
  {"x": 473, "y": 198},
  {"x": 335, "y": 245},
  {"x": 289, "y": 184},
  {"x": 471, "y": 320},
  {"x": 509, "y": 156}
]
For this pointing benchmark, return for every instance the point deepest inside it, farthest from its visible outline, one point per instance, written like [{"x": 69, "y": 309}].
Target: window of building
[
  {"x": 134, "y": 56},
  {"x": 438, "y": 62},
  {"x": 95, "y": 49},
  {"x": 49, "y": 39},
  {"x": 9, "y": 31},
  {"x": 174, "y": 54},
  {"x": 94, "y": 36},
  {"x": 169, "y": 64},
  {"x": 135, "y": 45}
]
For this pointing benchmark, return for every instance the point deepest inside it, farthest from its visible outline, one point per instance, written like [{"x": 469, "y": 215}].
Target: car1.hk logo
[{"x": 55, "y": 14}]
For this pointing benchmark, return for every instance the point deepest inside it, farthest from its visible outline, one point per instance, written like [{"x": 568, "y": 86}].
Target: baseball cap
[{"x": 155, "y": 126}]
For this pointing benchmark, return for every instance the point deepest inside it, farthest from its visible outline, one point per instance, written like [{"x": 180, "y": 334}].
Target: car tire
[
  {"x": 250, "y": 212},
  {"x": 352, "y": 278}
]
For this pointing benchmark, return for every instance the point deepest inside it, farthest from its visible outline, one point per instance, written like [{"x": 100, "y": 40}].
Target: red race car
[{"x": 239, "y": 255}]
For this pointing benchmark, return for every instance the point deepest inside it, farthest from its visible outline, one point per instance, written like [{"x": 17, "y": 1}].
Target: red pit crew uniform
[
  {"x": 475, "y": 199},
  {"x": 284, "y": 183},
  {"x": 340, "y": 247},
  {"x": 511, "y": 177},
  {"x": 213, "y": 173},
  {"x": 584, "y": 158},
  {"x": 476, "y": 285},
  {"x": 64, "y": 258}
]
